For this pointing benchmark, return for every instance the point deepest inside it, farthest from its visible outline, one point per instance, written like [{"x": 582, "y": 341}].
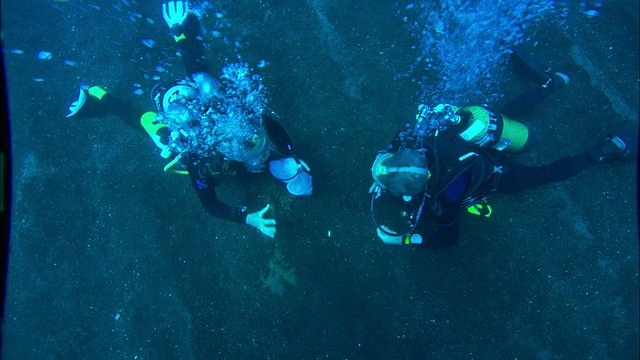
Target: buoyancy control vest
[{"x": 450, "y": 159}]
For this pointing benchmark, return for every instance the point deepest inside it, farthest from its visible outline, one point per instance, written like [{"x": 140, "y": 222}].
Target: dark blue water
[{"x": 113, "y": 259}]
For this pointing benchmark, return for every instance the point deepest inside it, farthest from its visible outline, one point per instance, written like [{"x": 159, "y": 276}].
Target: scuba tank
[
  {"x": 476, "y": 125},
  {"x": 486, "y": 128}
]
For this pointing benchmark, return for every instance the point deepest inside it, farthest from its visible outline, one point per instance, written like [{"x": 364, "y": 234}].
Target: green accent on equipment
[
  {"x": 172, "y": 163},
  {"x": 151, "y": 126},
  {"x": 481, "y": 209},
  {"x": 97, "y": 92}
]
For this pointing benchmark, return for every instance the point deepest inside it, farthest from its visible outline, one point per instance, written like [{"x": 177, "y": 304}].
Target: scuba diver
[
  {"x": 204, "y": 126},
  {"x": 453, "y": 158}
]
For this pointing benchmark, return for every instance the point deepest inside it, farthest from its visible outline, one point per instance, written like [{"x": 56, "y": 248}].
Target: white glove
[
  {"x": 389, "y": 239},
  {"x": 174, "y": 12},
  {"x": 266, "y": 226}
]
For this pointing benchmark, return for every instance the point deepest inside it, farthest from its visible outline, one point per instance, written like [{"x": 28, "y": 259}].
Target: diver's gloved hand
[
  {"x": 174, "y": 13},
  {"x": 388, "y": 239},
  {"x": 266, "y": 226}
]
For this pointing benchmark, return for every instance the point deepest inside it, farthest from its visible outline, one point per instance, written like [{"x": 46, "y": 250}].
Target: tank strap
[{"x": 485, "y": 184}]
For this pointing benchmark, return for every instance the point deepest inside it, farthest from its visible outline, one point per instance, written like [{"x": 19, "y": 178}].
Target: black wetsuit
[
  {"x": 439, "y": 226},
  {"x": 488, "y": 172},
  {"x": 202, "y": 179},
  {"x": 205, "y": 184}
]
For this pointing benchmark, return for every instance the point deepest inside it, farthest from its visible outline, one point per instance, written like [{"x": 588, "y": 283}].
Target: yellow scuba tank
[{"x": 487, "y": 128}]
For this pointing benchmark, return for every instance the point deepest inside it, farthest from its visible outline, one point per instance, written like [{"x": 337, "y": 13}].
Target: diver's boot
[
  {"x": 623, "y": 144},
  {"x": 546, "y": 76},
  {"x": 88, "y": 103},
  {"x": 556, "y": 81}
]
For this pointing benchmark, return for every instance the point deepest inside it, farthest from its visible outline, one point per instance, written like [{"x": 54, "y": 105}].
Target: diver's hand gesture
[
  {"x": 266, "y": 226},
  {"x": 174, "y": 12}
]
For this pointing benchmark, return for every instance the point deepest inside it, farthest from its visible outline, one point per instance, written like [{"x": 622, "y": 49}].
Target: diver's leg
[
  {"x": 523, "y": 103},
  {"x": 622, "y": 145},
  {"x": 140, "y": 120},
  {"x": 545, "y": 79},
  {"x": 127, "y": 112},
  {"x": 517, "y": 177},
  {"x": 95, "y": 101},
  {"x": 190, "y": 44},
  {"x": 529, "y": 68},
  {"x": 143, "y": 121}
]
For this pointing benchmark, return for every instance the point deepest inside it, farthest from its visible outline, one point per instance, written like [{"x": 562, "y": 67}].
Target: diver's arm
[
  {"x": 186, "y": 30},
  {"x": 447, "y": 227},
  {"x": 205, "y": 186}
]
